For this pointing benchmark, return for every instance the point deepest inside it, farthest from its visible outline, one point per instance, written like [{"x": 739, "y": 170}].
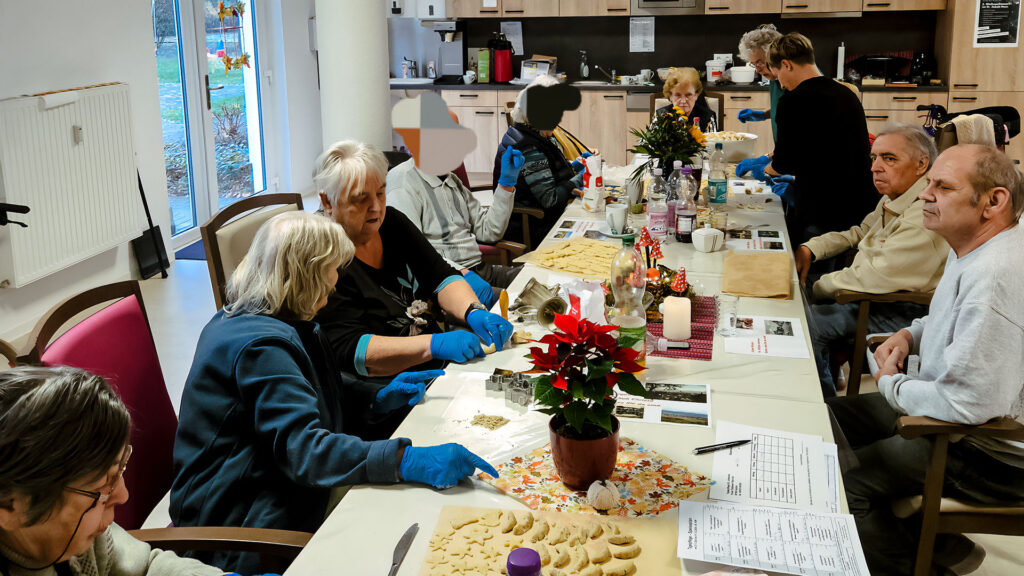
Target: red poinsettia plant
[{"x": 584, "y": 364}]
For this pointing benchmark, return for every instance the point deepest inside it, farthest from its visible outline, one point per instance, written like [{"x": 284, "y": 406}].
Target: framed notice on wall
[{"x": 997, "y": 24}]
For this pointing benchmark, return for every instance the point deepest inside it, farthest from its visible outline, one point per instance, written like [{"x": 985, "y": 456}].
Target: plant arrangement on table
[
  {"x": 584, "y": 362},
  {"x": 671, "y": 136}
]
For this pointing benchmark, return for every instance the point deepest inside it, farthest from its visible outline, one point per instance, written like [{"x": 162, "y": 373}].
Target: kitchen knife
[{"x": 402, "y": 547}]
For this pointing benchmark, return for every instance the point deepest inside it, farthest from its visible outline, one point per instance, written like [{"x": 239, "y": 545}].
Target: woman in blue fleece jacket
[{"x": 267, "y": 427}]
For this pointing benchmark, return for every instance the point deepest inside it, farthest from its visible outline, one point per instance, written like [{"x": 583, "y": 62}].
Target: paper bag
[{"x": 758, "y": 275}]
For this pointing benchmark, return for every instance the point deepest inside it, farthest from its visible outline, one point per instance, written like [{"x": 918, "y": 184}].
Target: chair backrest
[
  {"x": 508, "y": 113},
  {"x": 657, "y": 102},
  {"x": 117, "y": 344},
  {"x": 9, "y": 353},
  {"x": 462, "y": 175},
  {"x": 226, "y": 238},
  {"x": 716, "y": 101}
]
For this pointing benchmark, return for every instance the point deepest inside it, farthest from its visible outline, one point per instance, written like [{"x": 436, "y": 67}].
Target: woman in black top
[
  {"x": 683, "y": 89},
  {"x": 383, "y": 317}
]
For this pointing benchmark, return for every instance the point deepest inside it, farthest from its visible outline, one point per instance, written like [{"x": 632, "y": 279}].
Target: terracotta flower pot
[{"x": 580, "y": 462}]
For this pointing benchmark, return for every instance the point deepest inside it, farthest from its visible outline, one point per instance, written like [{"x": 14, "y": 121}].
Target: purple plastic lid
[{"x": 523, "y": 562}]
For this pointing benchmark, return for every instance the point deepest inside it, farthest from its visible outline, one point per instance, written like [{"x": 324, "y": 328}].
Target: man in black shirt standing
[{"x": 822, "y": 142}]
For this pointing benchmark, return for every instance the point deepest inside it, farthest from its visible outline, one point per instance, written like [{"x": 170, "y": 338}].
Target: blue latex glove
[
  {"x": 748, "y": 115},
  {"x": 511, "y": 163},
  {"x": 780, "y": 186},
  {"x": 484, "y": 292},
  {"x": 441, "y": 466},
  {"x": 491, "y": 328},
  {"x": 754, "y": 165},
  {"x": 455, "y": 346},
  {"x": 405, "y": 389}
]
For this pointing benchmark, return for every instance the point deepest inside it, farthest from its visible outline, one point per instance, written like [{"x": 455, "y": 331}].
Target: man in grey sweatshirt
[{"x": 971, "y": 345}]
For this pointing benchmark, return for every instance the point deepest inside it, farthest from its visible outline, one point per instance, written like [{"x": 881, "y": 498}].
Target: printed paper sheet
[{"x": 768, "y": 336}]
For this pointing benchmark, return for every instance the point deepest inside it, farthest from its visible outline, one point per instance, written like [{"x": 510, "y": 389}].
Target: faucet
[
  {"x": 409, "y": 65},
  {"x": 611, "y": 77}
]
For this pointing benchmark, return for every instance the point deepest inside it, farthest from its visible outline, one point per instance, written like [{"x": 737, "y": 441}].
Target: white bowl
[
  {"x": 735, "y": 150},
  {"x": 663, "y": 73},
  {"x": 742, "y": 74}
]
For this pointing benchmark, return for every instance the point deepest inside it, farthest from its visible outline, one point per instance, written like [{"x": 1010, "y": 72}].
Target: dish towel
[{"x": 974, "y": 129}]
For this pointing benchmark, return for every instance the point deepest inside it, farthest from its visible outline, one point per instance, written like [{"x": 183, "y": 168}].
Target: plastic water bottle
[
  {"x": 675, "y": 183},
  {"x": 629, "y": 283},
  {"x": 718, "y": 184},
  {"x": 686, "y": 209},
  {"x": 657, "y": 209}
]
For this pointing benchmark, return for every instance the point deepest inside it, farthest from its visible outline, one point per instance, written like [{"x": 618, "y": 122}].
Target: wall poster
[{"x": 997, "y": 24}]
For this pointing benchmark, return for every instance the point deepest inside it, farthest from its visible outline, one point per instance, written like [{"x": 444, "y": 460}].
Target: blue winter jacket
[{"x": 266, "y": 429}]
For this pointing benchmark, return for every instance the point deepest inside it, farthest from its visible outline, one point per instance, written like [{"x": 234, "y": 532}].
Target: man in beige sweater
[{"x": 894, "y": 250}]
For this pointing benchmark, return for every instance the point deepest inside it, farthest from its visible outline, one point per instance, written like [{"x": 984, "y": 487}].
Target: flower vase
[{"x": 580, "y": 462}]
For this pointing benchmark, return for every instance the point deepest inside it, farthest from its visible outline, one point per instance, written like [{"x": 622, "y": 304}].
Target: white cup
[
  {"x": 646, "y": 75},
  {"x": 615, "y": 215},
  {"x": 469, "y": 77}
]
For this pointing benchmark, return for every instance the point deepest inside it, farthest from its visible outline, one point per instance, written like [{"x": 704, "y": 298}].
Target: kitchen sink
[
  {"x": 404, "y": 81},
  {"x": 592, "y": 83}
]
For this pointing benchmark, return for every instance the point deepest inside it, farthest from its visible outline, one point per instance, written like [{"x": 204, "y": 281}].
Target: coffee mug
[
  {"x": 469, "y": 77},
  {"x": 646, "y": 75},
  {"x": 615, "y": 215}
]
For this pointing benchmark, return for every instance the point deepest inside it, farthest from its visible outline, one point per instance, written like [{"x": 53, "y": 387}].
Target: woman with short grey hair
[
  {"x": 754, "y": 49},
  {"x": 64, "y": 445},
  {"x": 267, "y": 425}
]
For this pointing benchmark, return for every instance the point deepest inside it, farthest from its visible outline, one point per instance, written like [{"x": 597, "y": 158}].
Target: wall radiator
[{"x": 69, "y": 157}]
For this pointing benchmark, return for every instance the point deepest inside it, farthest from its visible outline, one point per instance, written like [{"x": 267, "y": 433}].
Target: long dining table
[{"x": 359, "y": 535}]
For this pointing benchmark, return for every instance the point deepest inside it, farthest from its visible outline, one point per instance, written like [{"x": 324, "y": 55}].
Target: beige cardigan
[
  {"x": 115, "y": 553},
  {"x": 894, "y": 250}
]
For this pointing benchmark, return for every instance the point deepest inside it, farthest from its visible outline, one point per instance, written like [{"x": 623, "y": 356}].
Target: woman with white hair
[
  {"x": 383, "y": 318},
  {"x": 547, "y": 180},
  {"x": 754, "y": 49},
  {"x": 267, "y": 428}
]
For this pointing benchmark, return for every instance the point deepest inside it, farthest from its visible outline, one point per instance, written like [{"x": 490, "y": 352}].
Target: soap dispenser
[{"x": 584, "y": 68}]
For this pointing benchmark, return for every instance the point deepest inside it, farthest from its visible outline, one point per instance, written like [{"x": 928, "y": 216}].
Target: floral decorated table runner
[{"x": 649, "y": 483}]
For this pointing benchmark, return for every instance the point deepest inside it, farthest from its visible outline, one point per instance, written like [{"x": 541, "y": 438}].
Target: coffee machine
[{"x": 451, "y": 55}]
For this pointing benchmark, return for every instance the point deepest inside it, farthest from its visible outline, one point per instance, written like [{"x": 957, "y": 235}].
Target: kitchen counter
[{"x": 398, "y": 85}]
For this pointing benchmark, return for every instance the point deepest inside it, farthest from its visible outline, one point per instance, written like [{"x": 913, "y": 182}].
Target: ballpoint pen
[{"x": 722, "y": 446}]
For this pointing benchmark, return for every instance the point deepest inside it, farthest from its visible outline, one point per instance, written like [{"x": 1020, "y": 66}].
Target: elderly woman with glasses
[
  {"x": 754, "y": 49},
  {"x": 384, "y": 316},
  {"x": 267, "y": 427},
  {"x": 63, "y": 451},
  {"x": 684, "y": 91}
]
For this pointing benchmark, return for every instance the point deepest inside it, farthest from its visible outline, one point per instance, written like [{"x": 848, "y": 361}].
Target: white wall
[{"x": 73, "y": 44}]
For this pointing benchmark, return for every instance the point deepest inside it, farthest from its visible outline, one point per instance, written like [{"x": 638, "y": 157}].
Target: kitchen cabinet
[
  {"x": 593, "y": 8},
  {"x": 902, "y": 100},
  {"x": 974, "y": 69},
  {"x": 814, "y": 6},
  {"x": 529, "y": 8},
  {"x": 742, "y": 6},
  {"x": 484, "y": 122},
  {"x": 638, "y": 120},
  {"x": 472, "y": 9},
  {"x": 969, "y": 101},
  {"x": 600, "y": 122},
  {"x": 892, "y": 5},
  {"x": 470, "y": 97},
  {"x": 736, "y": 101},
  {"x": 879, "y": 119}
]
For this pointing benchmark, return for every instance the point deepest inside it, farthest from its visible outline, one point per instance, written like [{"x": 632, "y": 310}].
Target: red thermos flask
[{"x": 501, "y": 58}]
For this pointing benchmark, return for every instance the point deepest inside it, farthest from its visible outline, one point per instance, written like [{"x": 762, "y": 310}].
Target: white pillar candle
[{"x": 677, "y": 318}]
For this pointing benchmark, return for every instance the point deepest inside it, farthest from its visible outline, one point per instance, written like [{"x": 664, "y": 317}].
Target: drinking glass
[{"x": 727, "y": 309}]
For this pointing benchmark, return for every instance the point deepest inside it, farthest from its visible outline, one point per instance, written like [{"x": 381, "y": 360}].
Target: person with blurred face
[
  {"x": 64, "y": 446},
  {"x": 971, "y": 369},
  {"x": 383, "y": 317},
  {"x": 684, "y": 91},
  {"x": 894, "y": 250},
  {"x": 754, "y": 49}
]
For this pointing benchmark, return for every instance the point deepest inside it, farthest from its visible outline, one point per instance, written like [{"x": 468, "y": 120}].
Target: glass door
[{"x": 208, "y": 69}]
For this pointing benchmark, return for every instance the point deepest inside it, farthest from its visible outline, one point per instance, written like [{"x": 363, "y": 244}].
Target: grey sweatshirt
[{"x": 971, "y": 345}]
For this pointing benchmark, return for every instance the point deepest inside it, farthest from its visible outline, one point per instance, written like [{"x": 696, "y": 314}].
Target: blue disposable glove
[
  {"x": 405, "y": 389},
  {"x": 511, "y": 163},
  {"x": 441, "y": 466},
  {"x": 754, "y": 165},
  {"x": 491, "y": 328},
  {"x": 455, "y": 346},
  {"x": 780, "y": 186},
  {"x": 484, "y": 292},
  {"x": 748, "y": 115}
]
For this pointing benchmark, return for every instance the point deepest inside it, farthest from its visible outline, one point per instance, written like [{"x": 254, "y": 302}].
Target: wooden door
[
  {"x": 742, "y": 6},
  {"x": 472, "y": 9},
  {"x": 593, "y": 8},
  {"x": 883, "y": 5},
  {"x": 814, "y": 6},
  {"x": 529, "y": 8},
  {"x": 483, "y": 121},
  {"x": 969, "y": 101},
  {"x": 969, "y": 68},
  {"x": 602, "y": 124}
]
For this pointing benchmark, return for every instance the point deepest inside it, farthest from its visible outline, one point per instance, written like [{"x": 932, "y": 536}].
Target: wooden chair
[
  {"x": 8, "y": 352},
  {"x": 116, "y": 343},
  {"x": 226, "y": 237},
  {"x": 864, "y": 301}
]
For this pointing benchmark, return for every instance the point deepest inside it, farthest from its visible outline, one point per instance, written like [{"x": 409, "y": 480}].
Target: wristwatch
[{"x": 472, "y": 306}]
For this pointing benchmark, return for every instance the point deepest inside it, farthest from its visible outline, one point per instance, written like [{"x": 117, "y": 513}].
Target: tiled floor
[{"x": 182, "y": 304}]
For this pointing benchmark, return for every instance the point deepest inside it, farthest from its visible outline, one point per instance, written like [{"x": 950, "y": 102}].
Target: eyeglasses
[{"x": 100, "y": 498}]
